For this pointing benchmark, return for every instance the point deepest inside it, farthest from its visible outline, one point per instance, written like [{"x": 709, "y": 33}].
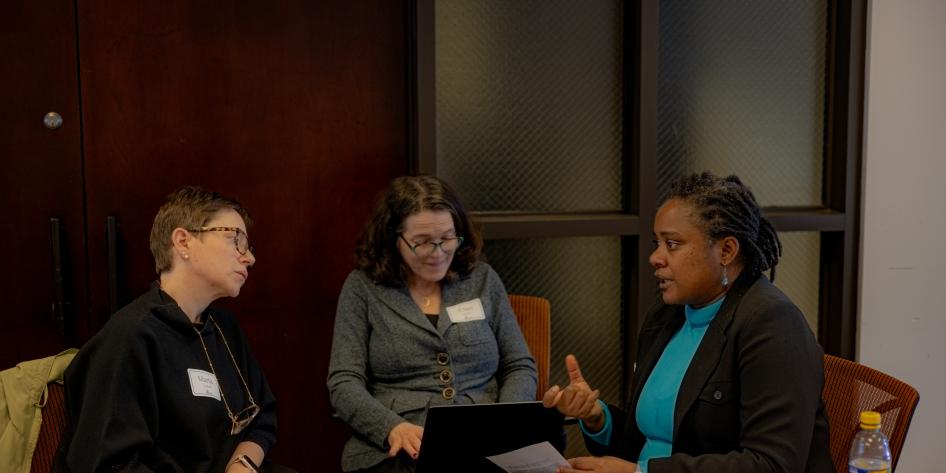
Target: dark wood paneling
[
  {"x": 298, "y": 108},
  {"x": 41, "y": 178}
]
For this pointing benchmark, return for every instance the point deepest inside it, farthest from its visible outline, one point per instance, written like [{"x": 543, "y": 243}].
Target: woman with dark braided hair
[{"x": 728, "y": 375}]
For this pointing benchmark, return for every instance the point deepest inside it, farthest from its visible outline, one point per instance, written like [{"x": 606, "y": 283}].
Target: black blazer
[{"x": 750, "y": 400}]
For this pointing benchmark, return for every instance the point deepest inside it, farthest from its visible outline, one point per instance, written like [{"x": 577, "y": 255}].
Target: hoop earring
[{"x": 725, "y": 279}]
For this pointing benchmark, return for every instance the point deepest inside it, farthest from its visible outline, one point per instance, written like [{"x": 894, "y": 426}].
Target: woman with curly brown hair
[{"x": 420, "y": 322}]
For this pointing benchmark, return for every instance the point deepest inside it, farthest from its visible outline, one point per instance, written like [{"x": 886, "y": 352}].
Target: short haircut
[
  {"x": 376, "y": 252},
  {"x": 726, "y": 207},
  {"x": 188, "y": 208}
]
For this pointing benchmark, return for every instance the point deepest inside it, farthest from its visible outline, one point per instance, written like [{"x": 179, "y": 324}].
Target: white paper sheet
[{"x": 538, "y": 458}]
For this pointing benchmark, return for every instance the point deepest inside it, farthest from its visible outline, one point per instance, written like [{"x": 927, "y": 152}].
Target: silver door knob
[{"x": 52, "y": 120}]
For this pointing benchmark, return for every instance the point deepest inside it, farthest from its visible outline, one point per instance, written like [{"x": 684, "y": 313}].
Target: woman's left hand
[
  {"x": 405, "y": 436},
  {"x": 599, "y": 465}
]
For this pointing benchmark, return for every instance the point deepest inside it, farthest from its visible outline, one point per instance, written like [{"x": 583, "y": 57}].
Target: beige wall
[{"x": 902, "y": 327}]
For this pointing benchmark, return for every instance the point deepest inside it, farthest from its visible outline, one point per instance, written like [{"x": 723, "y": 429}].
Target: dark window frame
[{"x": 837, "y": 221}]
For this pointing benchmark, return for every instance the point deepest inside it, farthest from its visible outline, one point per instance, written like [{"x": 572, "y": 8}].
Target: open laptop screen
[{"x": 458, "y": 438}]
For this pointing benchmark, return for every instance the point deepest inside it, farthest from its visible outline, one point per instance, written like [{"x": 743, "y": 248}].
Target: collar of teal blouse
[{"x": 704, "y": 315}]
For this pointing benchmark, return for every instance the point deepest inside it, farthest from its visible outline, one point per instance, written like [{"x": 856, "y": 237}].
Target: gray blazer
[{"x": 389, "y": 362}]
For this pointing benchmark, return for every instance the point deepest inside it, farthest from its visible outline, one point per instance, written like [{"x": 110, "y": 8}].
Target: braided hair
[{"x": 726, "y": 207}]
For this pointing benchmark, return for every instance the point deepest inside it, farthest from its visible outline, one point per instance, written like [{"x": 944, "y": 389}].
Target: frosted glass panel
[
  {"x": 581, "y": 278},
  {"x": 529, "y": 100},
  {"x": 798, "y": 272},
  {"x": 741, "y": 88}
]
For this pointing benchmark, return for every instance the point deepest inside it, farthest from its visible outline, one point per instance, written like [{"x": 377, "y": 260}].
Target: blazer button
[
  {"x": 446, "y": 376},
  {"x": 449, "y": 393},
  {"x": 717, "y": 395},
  {"x": 443, "y": 359}
]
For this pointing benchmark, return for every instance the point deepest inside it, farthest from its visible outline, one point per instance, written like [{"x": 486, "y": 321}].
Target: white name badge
[
  {"x": 466, "y": 311},
  {"x": 203, "y": 383}
]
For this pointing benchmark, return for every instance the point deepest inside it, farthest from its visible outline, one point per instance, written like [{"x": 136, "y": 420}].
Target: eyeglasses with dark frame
[
  {"x": 447, "y": 245},
  {"x": 240, "y": 240}
]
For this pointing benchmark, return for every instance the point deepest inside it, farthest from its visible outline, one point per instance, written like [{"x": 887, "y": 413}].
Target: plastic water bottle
[{"x": 870, "y": 451}]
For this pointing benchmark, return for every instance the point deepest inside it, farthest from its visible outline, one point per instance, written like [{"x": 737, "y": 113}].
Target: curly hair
[
  {"x": 726, "y": 207},
  {"x": 376, "y": 251},
  {"x": 188, "y": 207}
]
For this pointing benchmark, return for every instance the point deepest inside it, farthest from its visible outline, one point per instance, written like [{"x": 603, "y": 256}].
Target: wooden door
[
  {"x": 44, "y": 296},
  {"x": 296, "y": 107}
]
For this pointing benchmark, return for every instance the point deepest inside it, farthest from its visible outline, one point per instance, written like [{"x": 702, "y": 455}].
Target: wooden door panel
[
  {"x": 297, "y": 108},
  {"x": 41, "y": 178}
]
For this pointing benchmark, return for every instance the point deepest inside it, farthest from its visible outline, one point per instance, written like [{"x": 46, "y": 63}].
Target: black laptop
[{"x": 458, "y": 438}]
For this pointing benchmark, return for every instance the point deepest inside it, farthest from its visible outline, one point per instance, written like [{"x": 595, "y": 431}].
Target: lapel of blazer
[
  {"x": 453, "y": 292},
  {"x": 400, "y": 302},
  {"x": 661, "y": 333},
  {"x": 461, "y": 289},
  {"x": 708, "y": 353}
]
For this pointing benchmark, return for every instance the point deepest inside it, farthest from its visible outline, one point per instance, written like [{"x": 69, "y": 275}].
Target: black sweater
[{"x": 130, "y": 401}]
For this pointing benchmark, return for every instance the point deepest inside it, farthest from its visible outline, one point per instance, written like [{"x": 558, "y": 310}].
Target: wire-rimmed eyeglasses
[
  {"x": 240, "y": 240},
  {"x": 240, "y": 420},
  {"x": 447, "y": 245}
]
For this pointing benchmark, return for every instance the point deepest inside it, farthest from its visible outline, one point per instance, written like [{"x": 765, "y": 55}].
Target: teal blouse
[{"x": 654, "y": 413}]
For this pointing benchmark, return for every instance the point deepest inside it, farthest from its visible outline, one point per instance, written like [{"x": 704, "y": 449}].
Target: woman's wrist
[
  {"x": 243, "y": 463},
  {"x": 595, "y": 421}
]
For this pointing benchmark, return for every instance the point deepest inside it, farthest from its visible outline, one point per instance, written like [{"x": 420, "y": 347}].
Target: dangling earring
[
  {"x": 725, "y": 279},
  {"x": 185, "y": 255}
]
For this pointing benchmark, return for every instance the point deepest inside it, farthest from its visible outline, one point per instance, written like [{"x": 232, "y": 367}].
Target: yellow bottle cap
[{"x": 870, "y": 420}]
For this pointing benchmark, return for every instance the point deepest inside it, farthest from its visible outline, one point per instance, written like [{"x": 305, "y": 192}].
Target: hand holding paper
[{"x": 599, "y": 465}]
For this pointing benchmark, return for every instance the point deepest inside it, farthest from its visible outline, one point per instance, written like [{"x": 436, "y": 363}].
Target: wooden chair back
[
  {"x": 533, "y": 314},
  {"x": 50, "y": 430},
  {"x": 849, "y": 389}
]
